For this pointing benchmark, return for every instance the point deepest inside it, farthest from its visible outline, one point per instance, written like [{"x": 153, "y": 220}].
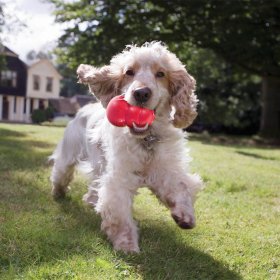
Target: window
[
  {"x": 41, "y": 105},
  {"x": 31, "y": 105},
  {"x": 8, "y": 78},
  {"x": 36, "y": 82},
  {"x": 49, "y": 86},
  {"x": 15, "y": 104},
  {"x": 24, "y": 106},
  {"x": 5, "y": 112}
]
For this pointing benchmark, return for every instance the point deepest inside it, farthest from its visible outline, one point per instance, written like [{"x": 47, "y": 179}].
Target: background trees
[
  {"x": 9, "y": 23},
  {"x": 2, "y": 61},
  {"x": 233, "y": 41}
]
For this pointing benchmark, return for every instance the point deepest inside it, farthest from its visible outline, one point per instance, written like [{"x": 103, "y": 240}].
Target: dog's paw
[
  {"x": 184, "y": 221},
  {"x": 127, "y": 241},
  {"x": 59, "y": 193},
  {"x": 91, "y": 198},
  {"x": 126, "y": 247},
  {"x": 183, "y": 215},
  {"x": 124, "y": 238}
]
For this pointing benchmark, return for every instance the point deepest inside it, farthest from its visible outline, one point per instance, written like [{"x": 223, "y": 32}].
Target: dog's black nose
[{"x": 142, "y": 95}]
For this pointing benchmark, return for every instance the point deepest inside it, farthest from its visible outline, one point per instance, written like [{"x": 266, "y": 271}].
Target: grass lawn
[{"x": 238, "y": 218}]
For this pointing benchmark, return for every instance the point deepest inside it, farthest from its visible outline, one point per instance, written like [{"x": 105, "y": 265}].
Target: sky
[{"x": 40, "y": 31}]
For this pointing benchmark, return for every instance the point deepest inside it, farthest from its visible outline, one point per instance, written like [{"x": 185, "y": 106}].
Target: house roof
[
  {"x": 6, "y": 51},
  {"x": 46, "y": 61}
]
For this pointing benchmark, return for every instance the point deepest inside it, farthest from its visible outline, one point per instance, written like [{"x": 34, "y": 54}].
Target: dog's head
[{"x": 149, "y": 76}]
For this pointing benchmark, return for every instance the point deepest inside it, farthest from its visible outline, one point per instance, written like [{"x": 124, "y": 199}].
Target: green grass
[{"x": 237, "y": 233}]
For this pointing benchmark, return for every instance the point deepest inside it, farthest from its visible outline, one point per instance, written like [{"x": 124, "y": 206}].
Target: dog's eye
[
  {"x": 129, "y": 72},
  {"x": 160, "y": 74}
]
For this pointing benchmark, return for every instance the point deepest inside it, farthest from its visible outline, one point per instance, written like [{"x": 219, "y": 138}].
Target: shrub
[
  {"x": 42, "y": 115},
  {"x": 39, "y": 116},
  {"x": 49, "y": 113}
]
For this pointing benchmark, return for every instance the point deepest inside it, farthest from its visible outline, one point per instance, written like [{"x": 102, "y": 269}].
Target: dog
[{"x": 122, "y": 159}]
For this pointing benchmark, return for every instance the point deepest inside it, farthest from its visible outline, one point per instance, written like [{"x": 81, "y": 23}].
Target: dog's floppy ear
[
  {"x": 182, "y": 86},
  {"x": 103, "y": 83}
]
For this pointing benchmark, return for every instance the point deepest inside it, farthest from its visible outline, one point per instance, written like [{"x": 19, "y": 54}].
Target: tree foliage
[
  {"x": 34, "y": 55},
  {"x": 69, "y": 85},
  {"x": 244, "y": 32},
  {"x": 2, "y": 59},
  {"x": 228, "y": 97},
  {"x": 223, "y": 43}
]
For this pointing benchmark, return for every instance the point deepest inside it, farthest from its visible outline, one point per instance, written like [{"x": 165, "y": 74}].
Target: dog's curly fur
[{"x": 124, "y": 159}]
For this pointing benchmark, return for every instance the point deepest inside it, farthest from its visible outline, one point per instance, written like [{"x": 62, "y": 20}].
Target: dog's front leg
[
  {"x": 177, "y": 191},
  {"x": 115, "y": 206}
]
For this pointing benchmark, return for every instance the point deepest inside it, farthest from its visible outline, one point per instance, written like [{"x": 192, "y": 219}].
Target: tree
[
  {"x": 229, "y": 98},
  {"x": 1, "y": 14},
  {"x": 34, "y": 55},
  {"x": 69, "y": 85},
  {"x": 9, "y": 23},
  {"x": 2, "y": 59},
  {"x": 245, "y": 33}
]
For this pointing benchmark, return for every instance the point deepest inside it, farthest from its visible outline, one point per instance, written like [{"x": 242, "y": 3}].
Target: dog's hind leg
[
  {"x": 61, "y": 176},
  {"x": 91, "y": 197},
  {"x": 65, "y": 157},
  {"x": 63, "y": 169}
]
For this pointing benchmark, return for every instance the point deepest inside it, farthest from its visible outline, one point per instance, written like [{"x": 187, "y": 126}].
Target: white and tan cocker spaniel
[{"x": 123, "y": 159}]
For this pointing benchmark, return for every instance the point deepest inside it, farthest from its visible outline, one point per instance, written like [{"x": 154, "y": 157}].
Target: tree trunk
[{"x": 270, "y": 120}]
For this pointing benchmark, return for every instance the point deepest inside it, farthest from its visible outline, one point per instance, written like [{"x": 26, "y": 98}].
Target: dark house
[{"x": 13, "y": 82}]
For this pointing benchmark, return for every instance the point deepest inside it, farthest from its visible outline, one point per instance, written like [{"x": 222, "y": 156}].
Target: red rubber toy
[{"x": 120, "y": 113}]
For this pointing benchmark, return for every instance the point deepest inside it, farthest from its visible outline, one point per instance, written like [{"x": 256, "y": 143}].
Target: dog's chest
[
  {"x": 144, "y": 153},
  {"x": 149, "y": 143}
]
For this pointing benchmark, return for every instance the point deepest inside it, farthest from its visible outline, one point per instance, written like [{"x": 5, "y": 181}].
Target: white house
[{"x": 43, "y": 83}]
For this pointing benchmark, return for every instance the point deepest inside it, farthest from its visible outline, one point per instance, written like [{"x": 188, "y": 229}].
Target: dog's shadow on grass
[
  {"x": 255, "y": 155},
  {"x": 163, "y": 255}
]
